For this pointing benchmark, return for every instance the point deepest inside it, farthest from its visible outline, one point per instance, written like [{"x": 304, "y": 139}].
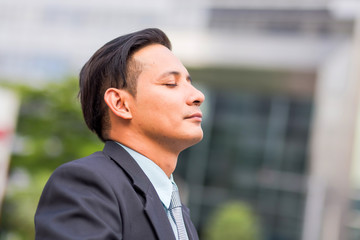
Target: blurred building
[{"x": 282, "y": 84}]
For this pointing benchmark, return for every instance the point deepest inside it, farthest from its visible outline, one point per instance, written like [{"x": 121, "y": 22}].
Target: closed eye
[{"x": 170, "y": 84}]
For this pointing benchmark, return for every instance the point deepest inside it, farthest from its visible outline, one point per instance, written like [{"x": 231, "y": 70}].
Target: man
[{"x": 139, "y": 99}]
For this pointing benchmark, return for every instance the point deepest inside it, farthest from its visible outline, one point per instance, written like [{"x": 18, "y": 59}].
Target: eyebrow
[{"x": 175, "y": 73}]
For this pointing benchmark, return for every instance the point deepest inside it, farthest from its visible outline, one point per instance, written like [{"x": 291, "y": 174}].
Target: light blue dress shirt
[{"x": 161, "y": 182}]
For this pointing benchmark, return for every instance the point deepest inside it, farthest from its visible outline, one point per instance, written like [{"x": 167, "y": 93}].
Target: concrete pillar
[{"x": 333, "y": 137}]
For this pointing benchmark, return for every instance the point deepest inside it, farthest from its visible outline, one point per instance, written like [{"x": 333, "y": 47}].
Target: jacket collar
[{"x": 153, "y": 206}]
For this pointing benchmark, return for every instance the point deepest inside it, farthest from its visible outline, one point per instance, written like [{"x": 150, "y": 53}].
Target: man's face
[{"x": 166, "y": 107}]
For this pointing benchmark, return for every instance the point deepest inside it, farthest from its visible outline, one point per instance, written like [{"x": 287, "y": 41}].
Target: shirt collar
[{"x": 158, "y": 178}]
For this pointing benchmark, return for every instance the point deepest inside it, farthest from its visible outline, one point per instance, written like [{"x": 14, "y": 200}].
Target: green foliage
[
  {"x": 50, "y": 132},
  {"x": 51, "y": 127},
  {"x": 233, "y": 221},
  {"x": 20, "y": 204}
]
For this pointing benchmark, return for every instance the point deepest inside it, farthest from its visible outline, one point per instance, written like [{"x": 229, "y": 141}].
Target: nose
[{"x": 196, "y": 97}]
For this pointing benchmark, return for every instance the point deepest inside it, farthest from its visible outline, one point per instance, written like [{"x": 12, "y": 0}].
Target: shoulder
[
  {"x": 78, "y": 196},
  {"x": 98, "y": 168},
  {"x": 95, "y": 161}
]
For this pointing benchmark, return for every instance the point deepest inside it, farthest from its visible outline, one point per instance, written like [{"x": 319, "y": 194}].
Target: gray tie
[{"x": 176, "y": 214}]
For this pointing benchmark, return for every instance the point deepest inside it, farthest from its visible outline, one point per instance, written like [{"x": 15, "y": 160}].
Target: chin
[
  {"x": 196, "y": 139},
  {"x": 189, "y": 138}
]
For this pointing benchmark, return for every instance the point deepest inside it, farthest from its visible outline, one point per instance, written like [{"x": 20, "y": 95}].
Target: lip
[{"x": 196, "y": 116}]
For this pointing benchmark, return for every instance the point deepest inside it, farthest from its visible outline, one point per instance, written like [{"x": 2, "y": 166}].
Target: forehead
[{"x": 158, "y": 58}]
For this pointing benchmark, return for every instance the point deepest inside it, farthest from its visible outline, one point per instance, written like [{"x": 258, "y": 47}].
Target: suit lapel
[
  {"x": 153, "y": 206},
  {"x": 160, "y": 222},
  {"x": 188, "y": 224}
]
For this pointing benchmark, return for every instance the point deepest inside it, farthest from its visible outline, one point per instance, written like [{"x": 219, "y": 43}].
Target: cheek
[
  {"x": 165, "y": 105},
  {"x": 160, "y": 104}
]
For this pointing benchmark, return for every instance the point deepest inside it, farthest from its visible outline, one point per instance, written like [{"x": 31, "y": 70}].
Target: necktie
[{"x": 176, "y": 214}]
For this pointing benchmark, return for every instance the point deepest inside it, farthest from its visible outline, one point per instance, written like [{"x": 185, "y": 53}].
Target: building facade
[{"x": 282, "y": 86}]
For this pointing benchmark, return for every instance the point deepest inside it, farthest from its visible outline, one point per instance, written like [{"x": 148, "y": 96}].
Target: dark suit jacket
[{"x": 103, "y": 196}]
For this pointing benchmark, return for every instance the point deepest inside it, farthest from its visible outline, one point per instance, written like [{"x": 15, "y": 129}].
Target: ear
[{"x": 118, "y": 102}]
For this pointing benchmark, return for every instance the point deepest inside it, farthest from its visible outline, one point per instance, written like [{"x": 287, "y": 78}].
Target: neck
[{"x": 165, "y": 158}]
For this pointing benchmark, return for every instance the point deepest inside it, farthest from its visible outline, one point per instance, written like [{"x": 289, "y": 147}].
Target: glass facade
[{"x": 255, "y": 151}]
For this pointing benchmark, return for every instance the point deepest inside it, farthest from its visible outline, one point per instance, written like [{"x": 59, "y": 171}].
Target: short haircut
[{"x": 112, "y": 67}]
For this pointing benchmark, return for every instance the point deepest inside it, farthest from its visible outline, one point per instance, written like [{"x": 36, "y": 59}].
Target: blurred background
[{"x": 280, "y": 159}]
